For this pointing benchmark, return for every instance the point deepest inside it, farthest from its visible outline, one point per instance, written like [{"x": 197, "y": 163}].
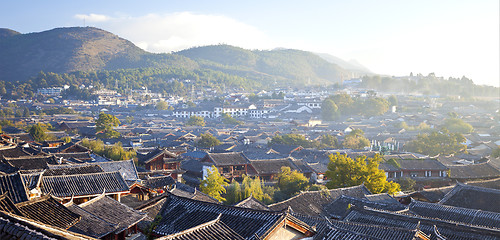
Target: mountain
[
  {"x": 285, "y": 66},
  {"x": 352, "y": 65},
  {"x": 64, "y": 50},
  {"x": 5, "y": 32}
]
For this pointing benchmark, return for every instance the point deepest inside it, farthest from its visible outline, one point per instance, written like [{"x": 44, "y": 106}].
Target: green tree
[
  {"x": 162, "y": 105},
  {"x": 393, "y": 101},
  {"x": 227, "y": 119},
  {"x": 291, "y": 182},
  {"x": 329, "y": 141},
  {"x": 214, "y": 184},
  {"x": 356, "y": 140},
  {"x": 344, "y": 171},
  {"x": 457, "y": 125},
  {"x": 253, "y": 187},
  {"x": 292, "y": 139},
  {"x": 195, "y": 121},
  {"x": 105, "y": 124},
  {"x": 38, "y": 132},
  {"x": 207, "y": 140},
  {"x": 329, "y": 110},
  {"x": 496, "y": 152},
  {"x": 233, "y": 191},
  {"x": 437, "y": 142}
]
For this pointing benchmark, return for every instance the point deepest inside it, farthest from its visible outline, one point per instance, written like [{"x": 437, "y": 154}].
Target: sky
[{"x": 451, "y": 38}]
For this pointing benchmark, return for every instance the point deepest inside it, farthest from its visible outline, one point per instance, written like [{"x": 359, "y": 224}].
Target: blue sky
[{"x": 451, "y": 38}]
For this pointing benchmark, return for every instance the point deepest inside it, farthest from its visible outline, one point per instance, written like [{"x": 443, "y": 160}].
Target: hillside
[
  {"x": 351, "y": 65},
  {"x": 283, "y": 66},
  {"x": 65, "y": 50}
]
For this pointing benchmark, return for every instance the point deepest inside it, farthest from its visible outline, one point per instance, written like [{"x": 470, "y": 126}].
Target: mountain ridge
[{"x": 64, "y": 50}]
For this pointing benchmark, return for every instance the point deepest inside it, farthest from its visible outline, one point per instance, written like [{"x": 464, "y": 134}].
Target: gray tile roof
[
  {"x": 90, "y": 224},
  {"x": 473, "y": 197},
  {"x": 49, "y": 211},
  {"x": 227, "y": 159},
  {"x": 113, "y": 212},
  {"x": 84, "y": 184},
  {"x": 213, "y": 230},
  {"x": 180, "y": 214},
  {"x": 456, "y": 214},
  {"x": 312, "y": 203},
  {"x": 450, "y": 230},
  {"x": 13, "y": 184}
]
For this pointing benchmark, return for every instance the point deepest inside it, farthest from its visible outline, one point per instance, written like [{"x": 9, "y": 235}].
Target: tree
[
  {"x": 393, "y": 101},
  {"x": 162, "y": 105},
  {"x": 293, "y": 139},
  {"x": 207, "y": 140},
  {"x": 291, "y": 182},
  {"x": 496, "y": 152},
  {"x": 329, "y": 110},
  {"x": 196, "y": 121},
  {"x": 233, "y": 193},
  {"x": 344, "y": 171},
  {"x": 437, "y": 142},
  {"x": 105, "y": 124},
  {"x": 356, "y": 140},
  {"x": 329, "y": 141},
  {"x": 214, "y": 184},
  {"x": 37, "y": 131},
  {"x": 457, "y": 125},
  {"x": 227, "y": 119}
]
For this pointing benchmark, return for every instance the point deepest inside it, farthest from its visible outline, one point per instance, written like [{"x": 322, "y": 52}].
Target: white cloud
[
  {"x": 92, "y": 17},
  {"x": 177, "y": 31}
]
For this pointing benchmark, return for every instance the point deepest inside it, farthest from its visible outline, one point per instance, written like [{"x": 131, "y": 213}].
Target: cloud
[
  {"x": 92, "y": 17},
  {"x": 177, "y": 31}
]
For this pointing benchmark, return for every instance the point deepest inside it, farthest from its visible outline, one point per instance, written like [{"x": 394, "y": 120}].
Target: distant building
[{"x": 52, "y": 91}]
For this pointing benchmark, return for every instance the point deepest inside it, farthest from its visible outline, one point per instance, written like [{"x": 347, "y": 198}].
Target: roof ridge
[{"x": 83, "y": 174}]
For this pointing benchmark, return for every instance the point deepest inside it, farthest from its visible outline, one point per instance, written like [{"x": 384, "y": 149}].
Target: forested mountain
[
  {"x": 281, "y": 66},
  {"x": 64, "y": 50},
  {"x": 351, "y": 65}
]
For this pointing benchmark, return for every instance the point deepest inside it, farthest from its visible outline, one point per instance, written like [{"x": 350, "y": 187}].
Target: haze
[{"x": 448, "y": 38}]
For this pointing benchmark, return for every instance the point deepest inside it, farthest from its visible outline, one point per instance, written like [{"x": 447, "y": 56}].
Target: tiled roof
[
  {"x": 450, "y": 230},
  {"x": 340, "y": 206},
  {"x": 7, "y": 205},
  {"x": 467, "y": 196},
  {"x": 31, "y": 180},
  {"x": 126, "y": 168},
  {"x": 456, "y": 214},
  {"x": 421, "y": 164},
  {"x": 186, "y": 191},
  {"x": 473, "y": 171},
  {"x": 72, "y": 170},
  {"x": 212, "y": 230},
  {"x": 30, "y": 162},
  {"x": 226, "y": 159},
  {"x": 155, "y": 153},
  {"x": 272, "y": 166},
  {"x": 373, "y": 231},
  {"x": 179, "y": 214},
  {"x": 14, "y": 152},
  {"x": 84, "y": 184},
  {"x": 17, "y": 227},
  {"x": 49, "y": 211},
  {"x": 13, "y": 185},
  {"x": 158, "y": 182},
  {"x": 432, "y": 194},
  {"x": 90, "y": 224},
  {"x": 312, "y": 203},
  {"x": 491, "y": 183},
  {"x": 113, "y": 212},
  {"x": 251, "y": 202}
]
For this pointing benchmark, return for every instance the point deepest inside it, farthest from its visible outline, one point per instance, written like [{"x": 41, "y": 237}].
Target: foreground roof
[
  {"x": 84, "y": 184},
  {"x": 312, "y": 203},
  {"x": 180, "y": 214},
  {"x": 473, "y": 197}
]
